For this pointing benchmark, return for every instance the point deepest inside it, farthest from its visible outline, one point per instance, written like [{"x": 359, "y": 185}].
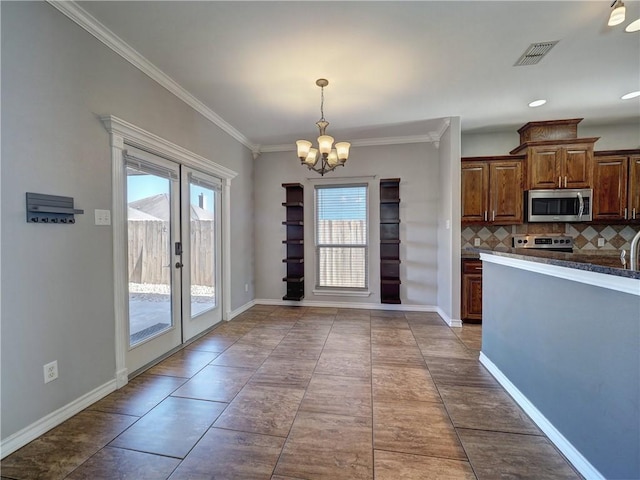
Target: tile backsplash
[{"x": 616, "y": 237}]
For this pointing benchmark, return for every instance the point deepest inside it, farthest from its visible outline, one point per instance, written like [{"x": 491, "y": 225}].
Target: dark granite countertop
[{"x": 600, "y": 262}]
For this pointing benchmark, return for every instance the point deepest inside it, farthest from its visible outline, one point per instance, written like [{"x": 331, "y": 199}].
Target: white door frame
[{"x": 123, "y": 133}]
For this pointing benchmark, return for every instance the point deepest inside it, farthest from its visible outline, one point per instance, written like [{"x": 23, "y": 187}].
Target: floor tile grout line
[
  {"x": 286, "y": 440},
  {"x": 373, "y": 425}
]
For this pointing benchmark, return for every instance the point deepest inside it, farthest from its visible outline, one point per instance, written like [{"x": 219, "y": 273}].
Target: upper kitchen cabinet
[
  {"x": 492, "y": 190},
  {"x": 556, "y": 158},
  {"x": 616, "y": 193}
]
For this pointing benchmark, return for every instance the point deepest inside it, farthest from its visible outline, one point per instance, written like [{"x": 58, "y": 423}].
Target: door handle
[{"x": 179, "y": 265}]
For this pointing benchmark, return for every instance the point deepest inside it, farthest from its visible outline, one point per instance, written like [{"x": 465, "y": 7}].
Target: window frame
[{"x": 333, "y": 290}]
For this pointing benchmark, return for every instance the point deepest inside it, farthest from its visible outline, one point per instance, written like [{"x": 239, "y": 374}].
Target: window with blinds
[{"x": 341, "y": 236}]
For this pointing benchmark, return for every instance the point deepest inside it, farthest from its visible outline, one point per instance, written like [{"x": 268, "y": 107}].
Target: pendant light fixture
[
  {"x": 617, "y": 14},
  {"x": 329, "y": 157}
]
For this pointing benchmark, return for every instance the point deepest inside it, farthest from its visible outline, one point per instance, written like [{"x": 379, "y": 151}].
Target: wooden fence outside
[{"x": 150, "y": 255}]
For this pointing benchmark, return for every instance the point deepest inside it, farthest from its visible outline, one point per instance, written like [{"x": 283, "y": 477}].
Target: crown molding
[
  {"x": 431, "y": 137},
  {"x": 92, "y": 25}
]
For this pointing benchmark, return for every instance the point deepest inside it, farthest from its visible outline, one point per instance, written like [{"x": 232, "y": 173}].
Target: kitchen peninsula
[{"x": 563, "y": 337}]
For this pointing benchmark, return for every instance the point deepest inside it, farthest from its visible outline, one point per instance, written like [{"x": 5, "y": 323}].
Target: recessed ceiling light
[
  {"x": 631, "y": 95},
  {"x": 633, "y": 26},
  {"x": 537, "y": 103}
]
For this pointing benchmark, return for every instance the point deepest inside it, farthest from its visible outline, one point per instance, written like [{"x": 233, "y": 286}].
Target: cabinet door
[
  {"x": 505, "y": 193},
  {"x": 472, "y": 297},
  {"x": 475, "y": 186},
  {"x": 577, "y": 166},
  {"x": 610, "y": 192},
  {"x": 634, "y": 189},
  {"x": 544, "y": 167}
]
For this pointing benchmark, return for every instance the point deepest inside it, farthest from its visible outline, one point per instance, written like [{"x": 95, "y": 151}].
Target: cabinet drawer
[{"x": 472, "y": 266}]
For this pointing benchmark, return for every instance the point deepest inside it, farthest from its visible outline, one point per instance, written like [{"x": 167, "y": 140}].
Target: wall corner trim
[
  {"x": 46, "y": 423},
  {"x": 568, "y": 450}
]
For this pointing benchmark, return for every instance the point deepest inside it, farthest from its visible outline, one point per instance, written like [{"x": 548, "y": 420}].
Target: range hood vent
[{"x": 534, "y": 53}]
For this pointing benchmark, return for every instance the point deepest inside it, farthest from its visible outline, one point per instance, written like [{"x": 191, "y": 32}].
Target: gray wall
[
  {"x": 417, "y": 167},
  {"x": 449, "y": 222},
  {"x": 612, "y": 137},
  {"x": 574, "y": 351},
  {"x": 57, "y": 281}
]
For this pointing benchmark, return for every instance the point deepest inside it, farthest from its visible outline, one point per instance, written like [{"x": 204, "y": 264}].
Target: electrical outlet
[
  {"x": 50, "y": 371},
  {"x": 103, "y": 217},
  {"x": 601, "y": 242},
  {"x": 246, "y": 287},
  {"x": 476, "y": 242}
]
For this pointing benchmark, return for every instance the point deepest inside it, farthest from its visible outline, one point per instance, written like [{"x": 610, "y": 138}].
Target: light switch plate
[{"x": 103, "y": 217}]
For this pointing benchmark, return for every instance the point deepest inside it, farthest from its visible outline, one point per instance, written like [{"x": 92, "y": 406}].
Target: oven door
[{"x": 569, "y": 205}]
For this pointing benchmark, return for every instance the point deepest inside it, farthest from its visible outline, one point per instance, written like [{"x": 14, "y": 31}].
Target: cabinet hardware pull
[
  {"x": 625, "y": 213},
  {"x": 565, "y": 181},
  {"x": 559, "y": 181},
  {"x": 634, "y": 213},
  {"x": 485, "y": 215},
  {"x": 493, "y": 216}
]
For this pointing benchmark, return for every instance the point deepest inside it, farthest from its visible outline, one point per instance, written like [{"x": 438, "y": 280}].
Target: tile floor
[{"x": 305, "y": 393}]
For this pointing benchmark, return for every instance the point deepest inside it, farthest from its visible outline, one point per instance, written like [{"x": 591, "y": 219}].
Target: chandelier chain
[{"x": 322, "y": 104}]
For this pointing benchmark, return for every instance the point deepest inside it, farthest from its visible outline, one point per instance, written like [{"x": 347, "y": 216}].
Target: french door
[{"x": 173, "y": 255}]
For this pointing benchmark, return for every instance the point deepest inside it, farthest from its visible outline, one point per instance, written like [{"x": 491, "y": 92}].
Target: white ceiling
[{"x": 393, "y": 67}]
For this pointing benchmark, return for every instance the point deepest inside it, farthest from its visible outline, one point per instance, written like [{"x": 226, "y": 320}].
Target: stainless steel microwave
[{"x": 563, "y": 205}]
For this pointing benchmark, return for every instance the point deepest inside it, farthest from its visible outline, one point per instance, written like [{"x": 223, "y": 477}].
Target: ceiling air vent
[{"x": 534, "y": 53}]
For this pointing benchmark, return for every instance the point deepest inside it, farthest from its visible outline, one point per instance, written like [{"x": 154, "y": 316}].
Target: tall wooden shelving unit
[
  {"x": 390, "y": 240},
  {"x": 294, "y": 242}
]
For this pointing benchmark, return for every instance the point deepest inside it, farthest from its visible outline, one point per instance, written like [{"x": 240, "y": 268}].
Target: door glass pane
[
  {"x": 149, "y": 254},
  {"x": 203, "y": 258}
]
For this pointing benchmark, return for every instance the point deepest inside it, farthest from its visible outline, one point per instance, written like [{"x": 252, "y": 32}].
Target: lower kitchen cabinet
[{"x": 471, "y": 305}]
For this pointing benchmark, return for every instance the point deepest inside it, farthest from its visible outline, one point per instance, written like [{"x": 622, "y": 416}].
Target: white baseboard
[
  {"x": 568, "y": 450},
  {"x": 33, "y": 431},
  {"x": 234, "y": 313},
  {"x": 452, "y": 322},
  {"x": 363, "y": 306}
]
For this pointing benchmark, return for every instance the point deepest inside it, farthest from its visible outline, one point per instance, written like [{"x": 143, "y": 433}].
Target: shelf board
[
  {"x": 390, "y": 241},
  {"x": 392, "y": 261},
  {"x": 296, "y": 223},
  {"x": 390, "y": 222},
  {"x": 389, "y": 200},
  {"x": 390, "y": 281},
  {"x": 390, "y": 300},
  {"x": 292, "y": 204},
  {"x": 293, "y": 279},
  {"x": 292, "y": 185},
  {"x": 293, "y": 242},
  {"x": 293, "y": 260},
  {"x": 295, "y": 299}
]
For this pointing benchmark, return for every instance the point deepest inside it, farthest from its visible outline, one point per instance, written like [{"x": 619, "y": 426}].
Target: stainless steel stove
[{"x": 555, "y": 242}]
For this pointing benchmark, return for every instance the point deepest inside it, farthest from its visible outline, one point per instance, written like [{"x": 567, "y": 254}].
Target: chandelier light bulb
[
  {"x": 633, "y": 26},
  {"x": 332, "y": 159},
  {"x": 303, "y": 149},
  {"x": 325, "y": 143},
  {"x": 342, "y": 149},
  {"x": 617, "y": 14},
  {"x": 312, "y": 157}
]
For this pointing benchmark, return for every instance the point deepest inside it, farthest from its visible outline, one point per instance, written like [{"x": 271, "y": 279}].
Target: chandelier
[{"x": 329, "y": 157}]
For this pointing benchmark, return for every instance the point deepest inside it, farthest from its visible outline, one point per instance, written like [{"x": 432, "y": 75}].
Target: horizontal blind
[
  {"x": 341, "y": 236},
  {"x": 149, "y": 163}
]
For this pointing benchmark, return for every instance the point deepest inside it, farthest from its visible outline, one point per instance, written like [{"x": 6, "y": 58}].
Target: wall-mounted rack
[
  {"x": 42, "y": 208},
  {"x": 294, "y": 241}
]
